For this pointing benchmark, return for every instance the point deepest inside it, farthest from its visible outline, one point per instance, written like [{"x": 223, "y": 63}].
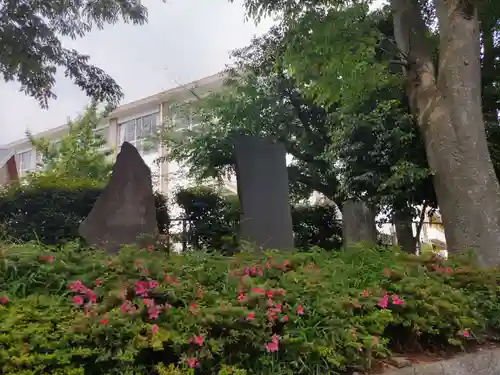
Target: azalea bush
[{"x": 146, "y": 312}]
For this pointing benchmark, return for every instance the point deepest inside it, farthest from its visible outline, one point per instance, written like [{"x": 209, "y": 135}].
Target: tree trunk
[
  {"x": 449, "y": 113},
  {"x": 404, "y": 231}
]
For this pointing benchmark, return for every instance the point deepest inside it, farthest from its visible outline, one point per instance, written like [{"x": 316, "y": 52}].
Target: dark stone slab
[
  {"x": 358, "y": 222},
  {"x": 262, "y": 177},
  {"x": 125, "y": 211}
]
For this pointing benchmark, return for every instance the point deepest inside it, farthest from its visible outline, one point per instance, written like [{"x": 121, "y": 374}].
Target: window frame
[
  {"x": 20, "y": 154},
  {"x": 124, "y": 134}
]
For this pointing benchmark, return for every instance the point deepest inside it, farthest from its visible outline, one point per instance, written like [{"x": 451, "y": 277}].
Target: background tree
[
  {"x": 31, "y": 49},
  {"x": 263, "y": 101},
  {"x": 447, "y": 106},
  {"x": 81, "y": 154},
  {"x": 370, "y": 151}
]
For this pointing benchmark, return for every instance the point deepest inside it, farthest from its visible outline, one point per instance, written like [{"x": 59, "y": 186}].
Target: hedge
[
  {"x": 50, "y": 211},
  {"x": 142, "y": 312},
  {"x": 214, "y": 219}
]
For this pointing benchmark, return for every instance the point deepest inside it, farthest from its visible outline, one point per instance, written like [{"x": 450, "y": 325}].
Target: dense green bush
[
  {"x": 50, "y": 211},
  {"x": 141, "y": 312},
  {"x": 213, "y": 221},
  {"x": 212, "y": 218},
  {"x": 317, "y": 225}
]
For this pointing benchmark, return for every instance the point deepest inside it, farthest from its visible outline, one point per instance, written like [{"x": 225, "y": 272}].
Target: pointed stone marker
[{"x": 125, "y": 210}]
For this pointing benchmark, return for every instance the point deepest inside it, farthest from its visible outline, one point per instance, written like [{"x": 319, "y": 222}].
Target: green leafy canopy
[
  {"x": 31, "y": 47},
  {"x": 81, "y": 154}
]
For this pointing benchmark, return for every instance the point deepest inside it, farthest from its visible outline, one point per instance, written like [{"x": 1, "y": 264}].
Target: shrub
[
  {"x": 317, "y": 225},
  {"x": 50, "y": 211},
  {"x": 301, "y": 313},
  {"x": 214, "y": 220}
]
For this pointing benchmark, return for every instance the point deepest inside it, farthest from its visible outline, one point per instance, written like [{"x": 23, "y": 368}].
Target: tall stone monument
[
  {"x": 358, "y": 223},
  {"x": 262, "y": 176},
  {"x": 126, "y": 208}
]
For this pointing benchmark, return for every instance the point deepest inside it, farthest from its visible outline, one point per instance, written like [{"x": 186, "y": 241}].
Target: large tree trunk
[{"x": 448, "y": 110}]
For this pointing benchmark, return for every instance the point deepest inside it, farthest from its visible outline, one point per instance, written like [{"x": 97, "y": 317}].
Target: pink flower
[
  {"x": 77, "y": 286},
  {"x": 192, "y": 362},
  {"x": 153, "y": 284},
  {"x": 466, "y": 334},
  {"x": 300, "y": 310},
  {"x": 251, "y": 316},
  {"x": 150, "y": 248},
  {"x": 153, "y": 313},
  {"x": 273, "y": 346},
  {"x": 241, "y": 297},
  {"x": 126, "y": 306},
  {"x": 98, "y": 282},
  {"x": 154, "y": 328},
  {"x": 396, "y": 300},
  {"x": 269, "y": 294},
  {"x": 271, "y": 315},
  {"x": 103, "y": 321},
  {"x": 141, "y": 288},
  {"x": 3, "y": 300},
  {"x": 384, "y": 301},
  {"x": 197, "y": 340},
  {"x": 92, "y": 296},
  {"x": 285, "y": 318},
  {"x": 77, "y": 300},
  {"x": 365, "y": 293},
  {"x": 286, "y": 263}
]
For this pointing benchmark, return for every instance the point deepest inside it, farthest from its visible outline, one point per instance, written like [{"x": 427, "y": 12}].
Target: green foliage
[
  {"x": 49, "y": 210},
  {"x": 212, "y": 218},
  {"x": 326, "y": 312},
  {"x": 337, "y": 64},
  {"x": 262, "y": 101},
  {"x": 80, "y": 154},
  {"x": 340, "y": 147},
  {"x": 317, "y": 225},
  {"x": 31, "y": 49}
]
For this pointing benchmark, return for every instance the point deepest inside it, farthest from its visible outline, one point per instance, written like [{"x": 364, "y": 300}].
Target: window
[
  {"x": 25, "y": 161},
  {"x": 39, "y": 161},
  {"x": 140, "y": 132},
  {"x": 182, "y": 118}
]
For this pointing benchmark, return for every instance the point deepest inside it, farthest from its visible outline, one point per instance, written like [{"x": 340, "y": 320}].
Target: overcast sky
[{"x": 184, "y": 40}]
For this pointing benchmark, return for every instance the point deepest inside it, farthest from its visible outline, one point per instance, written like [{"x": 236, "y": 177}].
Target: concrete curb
[{"x": 486, "y": 362}]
